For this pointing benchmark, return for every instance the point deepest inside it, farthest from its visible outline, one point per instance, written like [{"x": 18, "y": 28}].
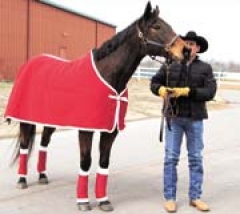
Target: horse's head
[{"x": 158, "y": 38}]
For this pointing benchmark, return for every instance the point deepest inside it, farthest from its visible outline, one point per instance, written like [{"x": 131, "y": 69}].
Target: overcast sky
[{"x": 217, "y": 21}]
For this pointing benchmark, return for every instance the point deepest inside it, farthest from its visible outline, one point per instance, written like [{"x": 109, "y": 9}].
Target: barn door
[{"x": 63, "y": 52}]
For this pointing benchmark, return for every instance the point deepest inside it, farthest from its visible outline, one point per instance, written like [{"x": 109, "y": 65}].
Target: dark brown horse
[{"x": 116, "y": 60}]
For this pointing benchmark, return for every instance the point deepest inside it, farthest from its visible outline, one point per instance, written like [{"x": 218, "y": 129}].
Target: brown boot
[
  {"x": 170, "y": 206},
  {"x": 200, "y": 205}
]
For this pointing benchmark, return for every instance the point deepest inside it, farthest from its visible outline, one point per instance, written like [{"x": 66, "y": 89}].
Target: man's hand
[
  {"x": 164, "y": 91},
  {"x": 178, "y": 92}
]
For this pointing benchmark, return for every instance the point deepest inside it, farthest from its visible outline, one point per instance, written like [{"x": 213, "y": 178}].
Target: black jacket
[{"x": 198, "y": 76}]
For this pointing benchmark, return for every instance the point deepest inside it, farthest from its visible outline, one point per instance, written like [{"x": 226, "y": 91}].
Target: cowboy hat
[{"x": 201, "y": 41}]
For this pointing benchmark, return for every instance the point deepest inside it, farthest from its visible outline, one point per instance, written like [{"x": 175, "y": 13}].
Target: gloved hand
[
  {"x": 178, "y": 92},
  {"x": 164, "y": 91}
]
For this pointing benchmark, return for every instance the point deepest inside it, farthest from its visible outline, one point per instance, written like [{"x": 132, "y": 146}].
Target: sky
[{"x": 217, "y": 21}]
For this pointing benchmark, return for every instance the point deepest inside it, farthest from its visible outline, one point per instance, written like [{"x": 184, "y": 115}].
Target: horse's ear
[
  {"x": 157, "y": 11},
  {"x": 147, "y": 13}
]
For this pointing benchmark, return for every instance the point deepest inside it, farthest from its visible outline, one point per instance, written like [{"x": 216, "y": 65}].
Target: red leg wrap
[
  {"x": 22, "y": 169},
  {"x": 42, "y": 159},
  {"x": 82, "y": 187},
  {"x": 101, "y": 186}
]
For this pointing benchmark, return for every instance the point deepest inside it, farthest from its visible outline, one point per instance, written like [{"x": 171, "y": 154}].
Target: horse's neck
[{"x": 118, "y": 67}]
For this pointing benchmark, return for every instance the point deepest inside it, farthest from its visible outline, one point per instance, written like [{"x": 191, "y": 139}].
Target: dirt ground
[{"x": 142, "y": 103}]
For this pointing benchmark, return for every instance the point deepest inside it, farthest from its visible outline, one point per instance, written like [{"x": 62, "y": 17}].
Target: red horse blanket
[{"x": 54, "y": 92}]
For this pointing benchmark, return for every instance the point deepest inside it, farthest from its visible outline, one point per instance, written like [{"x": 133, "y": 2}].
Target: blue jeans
[{"x": 193, "y": 130}]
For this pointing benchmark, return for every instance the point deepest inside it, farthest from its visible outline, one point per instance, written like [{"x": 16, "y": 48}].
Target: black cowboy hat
[{"x": 201, "y": 41}]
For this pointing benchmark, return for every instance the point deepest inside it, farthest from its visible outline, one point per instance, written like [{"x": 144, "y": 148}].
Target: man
[{"x": 189, "y": 85}]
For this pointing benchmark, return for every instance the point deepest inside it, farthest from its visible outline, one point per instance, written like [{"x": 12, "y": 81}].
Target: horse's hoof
[
  {"x": 84, "y": 206},
  {"x": 106, "y": 206},
  {"x": 22, "y": 183},
  {"x": 43, "y": 179}
]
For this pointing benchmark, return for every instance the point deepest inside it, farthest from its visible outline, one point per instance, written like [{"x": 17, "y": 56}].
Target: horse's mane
[{"x": 112, "y": 44}]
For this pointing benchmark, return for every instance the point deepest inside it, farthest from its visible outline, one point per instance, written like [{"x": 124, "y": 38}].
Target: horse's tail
[{"x": 27, "y": 132}]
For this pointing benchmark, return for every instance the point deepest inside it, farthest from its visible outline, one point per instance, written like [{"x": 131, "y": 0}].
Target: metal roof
[{"x": 76, "y": 11}]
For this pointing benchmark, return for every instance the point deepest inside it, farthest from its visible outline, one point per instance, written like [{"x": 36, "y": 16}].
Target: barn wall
[
  {"x": 60, "y": 33},
  {"x": 29, "y": 28},
  {"x": 104, "y": 33},
  {"x": 13, "y": 36}
]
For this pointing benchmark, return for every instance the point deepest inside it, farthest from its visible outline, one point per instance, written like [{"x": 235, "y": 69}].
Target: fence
[
  {"x": 147, "y": 73},
  {"x": 144, "y": 72}
]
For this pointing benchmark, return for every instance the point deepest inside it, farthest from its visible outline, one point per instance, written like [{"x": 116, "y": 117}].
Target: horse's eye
[{"x": 157, "y": 26}]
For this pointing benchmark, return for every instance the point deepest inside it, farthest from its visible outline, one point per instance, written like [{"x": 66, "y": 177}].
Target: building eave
[{"x": 76, "y": 12}]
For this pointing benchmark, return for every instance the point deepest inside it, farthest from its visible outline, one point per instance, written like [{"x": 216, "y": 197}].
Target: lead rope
[
  {"x": 166, "y": 106},
  {"x": 166, "y": 102}
]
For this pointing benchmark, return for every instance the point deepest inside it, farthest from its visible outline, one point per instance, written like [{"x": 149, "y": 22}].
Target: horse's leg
[
  {"x": 42, "y": 154},
  {"x": 85, "y": 143},
  {"x": 106, "y": 142},
  {"x": 26, "y": 139}
]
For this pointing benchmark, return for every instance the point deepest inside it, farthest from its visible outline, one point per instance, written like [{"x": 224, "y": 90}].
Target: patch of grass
[{"x": 5, "y": 87}]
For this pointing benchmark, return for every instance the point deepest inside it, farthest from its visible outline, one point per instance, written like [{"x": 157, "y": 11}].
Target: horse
[{"x": 114, "y": 63}]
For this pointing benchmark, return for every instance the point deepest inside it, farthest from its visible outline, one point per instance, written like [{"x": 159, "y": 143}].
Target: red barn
[{"x": 31, "y": 27}]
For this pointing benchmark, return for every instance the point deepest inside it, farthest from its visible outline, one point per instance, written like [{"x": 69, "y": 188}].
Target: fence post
[{"x": 138, "y": 74}]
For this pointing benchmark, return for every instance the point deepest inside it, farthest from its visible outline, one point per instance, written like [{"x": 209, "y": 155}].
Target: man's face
[{"x": 193, "y": 46}]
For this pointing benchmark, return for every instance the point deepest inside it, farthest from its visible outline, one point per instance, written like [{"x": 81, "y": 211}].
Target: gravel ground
[{"x": 142, "y": 103}]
